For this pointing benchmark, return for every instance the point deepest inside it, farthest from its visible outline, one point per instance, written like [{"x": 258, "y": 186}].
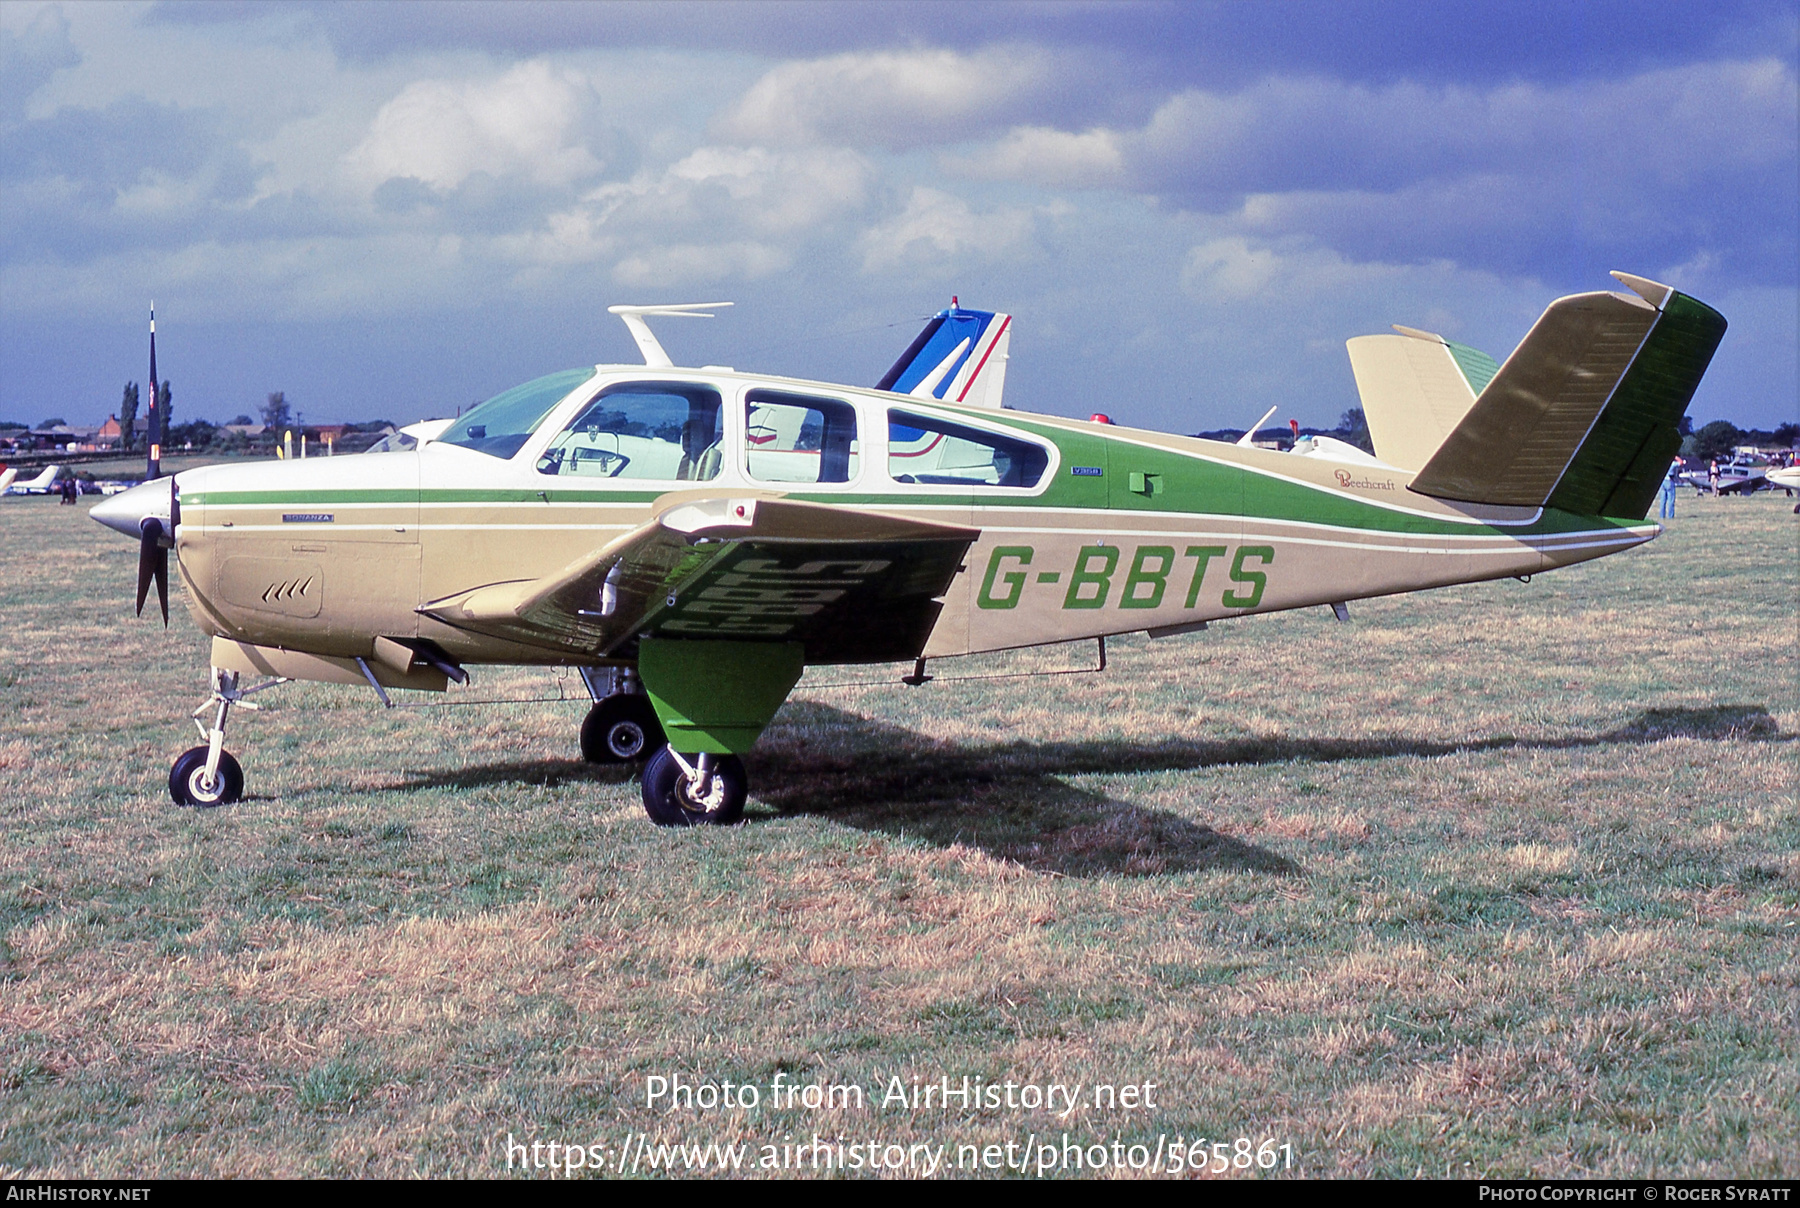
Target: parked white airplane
[
  {"x": 6, "y": 479},
  {"x": 410, "y": 437},
  {"x": 43, "y": 484}
]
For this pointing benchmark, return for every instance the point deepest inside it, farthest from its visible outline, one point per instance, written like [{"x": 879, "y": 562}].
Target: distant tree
[
  {"x": 164, "y": 407},
  {"x": 243, "y": 420},
  {"x": 199, "y": 433},
  {"x": 1685, "y": 427},
  {"x": 1716, "y": 439},
  {"x": 128, "y": 407},
  {"x": 58, "y": 422},
  {"x": 276, "y": 413},
  {"x": 1787, "y": 434},
  {"x": 1353, "y": 427}
]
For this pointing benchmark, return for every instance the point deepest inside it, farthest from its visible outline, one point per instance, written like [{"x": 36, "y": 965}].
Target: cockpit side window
[
  {"x": 924, "y": 449},
  {"x": 670, "y": 431},
  {"x": 799, "y": 438},
  {"x": 500, "y": 426}
]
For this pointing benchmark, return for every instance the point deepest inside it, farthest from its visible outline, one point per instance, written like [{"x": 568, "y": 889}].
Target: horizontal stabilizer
[{"x": 1582, "y": 416}]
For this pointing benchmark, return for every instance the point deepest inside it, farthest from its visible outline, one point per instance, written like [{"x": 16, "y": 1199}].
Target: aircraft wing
[{"x": 854, "y": 586}]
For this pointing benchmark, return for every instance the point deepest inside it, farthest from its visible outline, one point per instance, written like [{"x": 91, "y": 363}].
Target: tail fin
[
  {"x": 1415, "y": 387},
  {"x": 960, "y": 356},
  {"x": 1582, "y": 416}
]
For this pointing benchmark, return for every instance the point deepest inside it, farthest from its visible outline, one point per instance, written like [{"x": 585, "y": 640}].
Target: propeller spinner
[{"x": 151, "y": 515}]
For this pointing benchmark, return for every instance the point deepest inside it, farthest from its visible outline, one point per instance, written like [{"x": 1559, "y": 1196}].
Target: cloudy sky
[{"x": 395, "y": 210}]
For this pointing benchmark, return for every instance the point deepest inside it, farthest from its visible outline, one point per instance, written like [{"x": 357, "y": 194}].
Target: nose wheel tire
[
  {"x": 671, "y": 799},
  {"x": 188, "y": 783},
  {"x": 620, "y": 729}
]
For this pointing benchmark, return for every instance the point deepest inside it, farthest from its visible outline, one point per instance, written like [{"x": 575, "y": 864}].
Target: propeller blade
[
  {"x": 162, "y": 570},
  {"x": 153, "y": 563}
]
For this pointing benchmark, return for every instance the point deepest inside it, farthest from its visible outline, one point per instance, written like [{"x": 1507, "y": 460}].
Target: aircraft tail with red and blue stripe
[{"x": 959, "y": 357}]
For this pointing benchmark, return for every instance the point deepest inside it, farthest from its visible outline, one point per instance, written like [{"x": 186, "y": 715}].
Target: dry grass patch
[{"x": 1412, "y": 901}]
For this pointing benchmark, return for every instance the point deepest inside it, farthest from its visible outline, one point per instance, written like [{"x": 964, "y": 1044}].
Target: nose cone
[{"x": 126, "y": 512}]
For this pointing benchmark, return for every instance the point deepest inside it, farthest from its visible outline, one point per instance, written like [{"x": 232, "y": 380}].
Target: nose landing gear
[
  {"x": 192, "y": 783},
  {"x": 207, "y": 776}
]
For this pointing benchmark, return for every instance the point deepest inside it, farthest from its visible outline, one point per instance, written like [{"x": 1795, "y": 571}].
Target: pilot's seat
[{"x": 702, "y": 467}]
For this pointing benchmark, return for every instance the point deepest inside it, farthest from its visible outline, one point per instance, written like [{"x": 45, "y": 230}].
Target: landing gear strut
[
  {"x": 208, "y": 776},
  {"x": 622, "y": 726}
]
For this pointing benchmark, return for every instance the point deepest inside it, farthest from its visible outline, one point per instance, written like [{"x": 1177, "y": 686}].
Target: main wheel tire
[
  {"x": 620, "y": 729},
  {"x": 669, "y": 798},
  {"x": 187, "y": 780}
]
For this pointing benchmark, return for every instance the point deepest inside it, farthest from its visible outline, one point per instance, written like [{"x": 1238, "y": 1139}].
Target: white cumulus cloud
[
  {"x": 894, "y": 99},
  {"x": 524, "y": 123},
  {"x": 937, "y": 227}
]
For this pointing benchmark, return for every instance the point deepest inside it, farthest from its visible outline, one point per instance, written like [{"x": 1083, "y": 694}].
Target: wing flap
[{"x": 851, "y": 585}]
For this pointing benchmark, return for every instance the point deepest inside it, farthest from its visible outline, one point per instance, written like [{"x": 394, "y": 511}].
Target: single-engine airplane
[
  {"x": 43, "y": 484},
  {"x": 692, "y": 539}
]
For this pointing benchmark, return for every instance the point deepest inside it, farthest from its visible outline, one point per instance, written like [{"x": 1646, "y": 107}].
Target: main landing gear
[
  {"x": 713, "y": 698},
  {"x": 207, "y": 776},
  {"x": 709, "y": 791},
  {"x": 622, "y": 726}
]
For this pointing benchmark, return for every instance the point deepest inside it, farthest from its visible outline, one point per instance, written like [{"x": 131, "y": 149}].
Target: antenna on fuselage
[
  {"x": 1250, "y": 436},
  {"x": 646, "y": 339}
]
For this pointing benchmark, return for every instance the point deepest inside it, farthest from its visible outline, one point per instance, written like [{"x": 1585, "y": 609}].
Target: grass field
[{"x": 1495, "y": 880}]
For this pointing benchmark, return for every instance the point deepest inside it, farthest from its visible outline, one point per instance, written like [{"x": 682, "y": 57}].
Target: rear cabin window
[
  {"x": 923, "y": 449},
  {"x": 500, "y": 426},
  {"x": 669, "y": 431},
  {"x": 799, "y": 438}
]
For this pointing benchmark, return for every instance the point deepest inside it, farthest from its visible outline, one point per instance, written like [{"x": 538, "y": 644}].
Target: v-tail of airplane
[{"x": 1582, "y": 417}]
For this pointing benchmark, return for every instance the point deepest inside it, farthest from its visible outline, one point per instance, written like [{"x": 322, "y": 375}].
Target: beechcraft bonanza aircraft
[{"x": 692, "y": 539}]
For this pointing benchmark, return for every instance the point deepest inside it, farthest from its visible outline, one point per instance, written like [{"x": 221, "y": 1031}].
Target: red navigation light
[{"x": 1099, "y": 417}]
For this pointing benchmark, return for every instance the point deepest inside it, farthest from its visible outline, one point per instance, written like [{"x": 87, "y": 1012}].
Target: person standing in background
[{"x": 1670, "y": 481}]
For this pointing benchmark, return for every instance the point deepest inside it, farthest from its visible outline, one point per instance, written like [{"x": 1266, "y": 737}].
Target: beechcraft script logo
[{"x": 1347, "y": 479}]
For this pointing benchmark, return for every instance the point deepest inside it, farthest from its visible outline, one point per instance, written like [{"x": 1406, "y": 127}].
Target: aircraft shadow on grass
[{"x": 1011, "y": 801}]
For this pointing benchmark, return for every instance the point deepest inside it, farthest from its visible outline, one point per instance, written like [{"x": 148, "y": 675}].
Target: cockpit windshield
[{"x": 500, "y": 426}]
